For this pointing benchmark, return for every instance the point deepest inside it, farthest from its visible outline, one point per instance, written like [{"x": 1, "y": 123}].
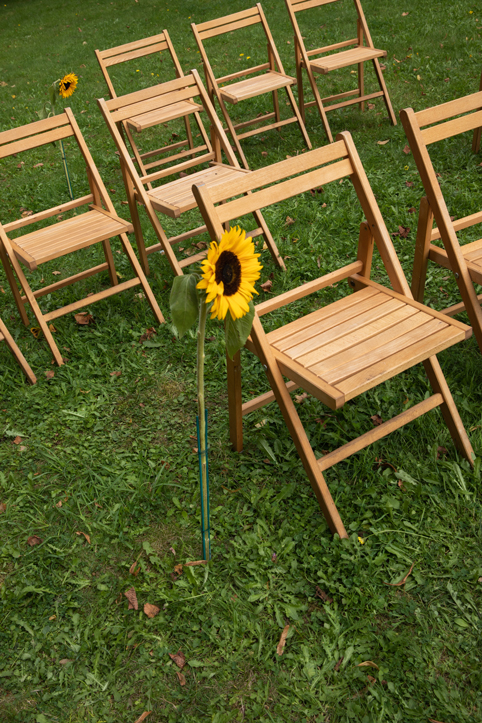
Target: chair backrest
[
  {"x": 132, "y": 51},
  {"x": 432, "y": 125},
  {"x": 227, "y": 24},
  {"x": 42, "y": 133},
  {"x": 158, "y": 97},
  {"x": 289, "y": 178},
  {"x": 296, "y": 6}
]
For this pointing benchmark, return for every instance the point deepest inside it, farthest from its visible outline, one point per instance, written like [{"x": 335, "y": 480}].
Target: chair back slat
[
  {"x": 154, "y": 91},
  {"x": 120, "y": 50},
  {"x": 41, "y": 139},
  {"x": 30, "y": 129},
  {"x": 220, "y": 23},
  {"x": 452, "y": 128},
  {"x": 167, "y": 99},
  {"x": 449, "y": 110},
  {"x": 298, "y": 5},
  {"x": 133, "y": 54}
]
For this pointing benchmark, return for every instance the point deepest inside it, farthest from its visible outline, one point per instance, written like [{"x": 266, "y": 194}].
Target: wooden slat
[
  {"x": 30, "y": 129},
  {"x": 264, "y": 399},
  {"x": 298, "y": 5},
  {"x": 39, "y": 140},
  {"x": 163, "y": 115},
  {"x": 359, "y": 99},
  {"x": 171, "y": 170},
  {"x": 134, "y": 45},
  {"x": 133, "y": 54},
  {"x": 345, "y": 58},
  {"x": 460, "y": 224},
  {"x": 240, "y": 73},
  {"x": 304, "y": 378},
  {"x": 269, "y": 127},
  {"x": 448, "y": 110},
  {"x": 91, "y": 299},
  {"x": 115, "y": 104},
  {"x": 440, "y": 257},
  {"x": 45, "y": 290},
  {"x": 154, "y": 103},
  {"x": 329, "y": 48},
  {"x": 284, "y": 190},
  {"x": 42, "y": 215},
  {"x": 379, "y": 432},
  {"x": 229, "y": 27},
  {"x": 226, "y": 19},
  {"x": 257, "y": 85},
  {"x": 452, "y": 128}
]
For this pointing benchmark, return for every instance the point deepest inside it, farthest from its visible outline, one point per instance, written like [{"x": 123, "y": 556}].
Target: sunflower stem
[
  {"x": 66, "y": 170},
  {"x": 201, "y": 333}
]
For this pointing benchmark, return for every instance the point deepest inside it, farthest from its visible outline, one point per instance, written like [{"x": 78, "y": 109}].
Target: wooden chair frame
[
  {"x": 12, "y": 345},
  {"x": 422, "y": 129},
  {"x": 477, "y": 131},
  {"x": 97, "y": 225},
  {"x": 273, "y": 78},
  {"x": 358, "y": 352},
  {"x": 175, "y": 197},
  {"x": 329, "y": 60},
  {"x": 129, "y": 52}
]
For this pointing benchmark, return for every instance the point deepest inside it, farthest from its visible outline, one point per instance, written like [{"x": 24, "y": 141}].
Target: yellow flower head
[
  {"x": 229, "y": 273},
  {"x": 67, "y": 85}
]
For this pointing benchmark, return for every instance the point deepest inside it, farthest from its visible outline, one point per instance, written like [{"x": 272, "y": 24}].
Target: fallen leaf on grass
[
  {"x": 115, "y": 374},
  {"x": 267, "y": 285},
  {"x": 337, "y": 666},
  {"x": 368, "y": 664},
  {"x": 134, "y": 570},
  {"x": 148, "y": 334},
  {"x": 143, "y": 716},
  {"x": 64, "y": 661},
  {"x": 404, "y": 15},
  {"x": 412, "y": 210},
  {"x": 58, "y": 504},
  {"x": 17, "y": 440},
  {"x": 282, "y": 641},
  {"x": 83, "y": 317},
  {"x": 38, "y": 165},
  {"x": 34, "y": 540},
  {"x": 27, "y": 213},
  {"x": 441, "y": 451},
  {"x": 178, "y": 658},
  {"x": 289, "y": 221},
  {"x": 3, "y": 507},
  {"x": 132, "y": 597},
  {"x": 401, "y": 485},
  {"x": 300, "y": 398},
  {"x": 323, "y": 595},
  {"x": 409, "y": 184},
  {"x": 383, "y": 143},
  {"x": 402, "y": 582},
  {"x": 151, "y": 610},
  {"x": 50, "y": 374},
  {"x": 87, "y": 537},
  {"x": 178, "y": 569},
  {"x": 370, "y": 106},
  {"x": 56, "y": 273},
  {"x": 432, "y": 720},
  {"x": 181, "y": 678},
  {"x": 403, "y": 232},
  {"x": 314, "y": 191},
  {"x": 377, "y": 420},
  {"x": 406, "y": 150},
  {"x": 264, "y": 154}
]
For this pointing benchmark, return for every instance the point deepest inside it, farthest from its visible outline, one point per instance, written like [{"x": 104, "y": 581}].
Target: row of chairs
[{"x": 268, "y": 77}]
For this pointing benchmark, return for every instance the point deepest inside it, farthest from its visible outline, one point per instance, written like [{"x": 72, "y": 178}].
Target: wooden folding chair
[
  {"x": 465, "y": 261},
  {"x": 346, "y": 347},
  {"x": 10, "y": 342},
  {"x": 82, "y": 230},
  {"x": 271, "y": 77},
  {"x": 333, "y": 57},
  {"x": 154, "y": 45},
  {"x": 175, "y": 197},
  {"x": 477, "y": 131}
]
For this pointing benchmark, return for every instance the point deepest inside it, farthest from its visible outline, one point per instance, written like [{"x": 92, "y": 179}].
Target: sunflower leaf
[
  {"x": 237, "y": 331},
  {"x": 52, "y": 94},
  {"x": 184, "y": 302}
]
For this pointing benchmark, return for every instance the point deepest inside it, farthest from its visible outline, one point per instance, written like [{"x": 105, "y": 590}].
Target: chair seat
[
  {"x": 176, "y": 197},
  {"x": 472, "y": 253},
  {"x": 356, "y": 343},
  {"x": 67, "y": 236},
  {"x": 346, "y": 57},
  {"x": 256, "y": 85},
  {"x": 163, "y": 115}
]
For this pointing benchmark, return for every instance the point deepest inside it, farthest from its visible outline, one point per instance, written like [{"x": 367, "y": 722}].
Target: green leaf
[
  {"x": 184, "y": 302},
  {"x": 463, "y": 623},
  {"x": 52, "y": 94},
  {"x": 238, "y": 330}
]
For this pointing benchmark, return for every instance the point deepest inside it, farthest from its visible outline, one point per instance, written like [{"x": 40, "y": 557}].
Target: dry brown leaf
[
  {"x": 195, "y": 562},
  {"x": 143, "y": 716},
  {"x": 58, "y": 504},
  {"x": 409, "y": 184},
  {"x": 441, "y": 451},
  {"x": 300, "y": 398},
  {"x": 87, "y": 537},
  {"x": 432, "y": 720},
  {"x": 178, "y": 569},
  {"x": 377, "y": 420},
  {"x": 178, "y": 658},
  {"x": 267, "y": 285},
  {"x": 151, "y": 610},
  {"x": 402, "y": 582},
  {"x": 181, "y": 678},
  {"x": 403, "y": 232},
  {"x": 401, "y": 485},
  {"x": 337, "y": 666},
  {"x": 148, "y": 334},
  {"x": 83, "y": 317},
  {"x": 404, "y": 15},
  {"x": 64, "y": 661},
  {"x": 27, "y": 213},
  {"x": 38, "y": 165},
  {"x": 323, "y": 595},
  {"x": 264, "y": 154},
  {"x": 3, "y": 507},
  {"x": 50, "y": 374},
  {"x": 412, "y": 210},
  {"x": 370, "y": 106},
  {"x": 134, "y": 570},
  {"x": 115, "y": 374},
  {"x": 289, "y": 221},
  {"x": 34, "y": 540},
  {"x": 132, "y": 597},
  {"x": 52, "y": 328},
  {"x": 56, "y": 273},
  {"x": 17, "y": 440},
  {"x": 282, "y": 641},
  {"x": 368, "y": 664},
  {"x": 407, "y": 150},
  {"x": 3, "y": 84},
  {"x": 383, "y": 143}
]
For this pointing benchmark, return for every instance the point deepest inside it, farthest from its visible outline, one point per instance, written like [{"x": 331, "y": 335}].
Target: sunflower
[
  {"x": 67, "y": 85},
  {"x": 229, "y": 273}
]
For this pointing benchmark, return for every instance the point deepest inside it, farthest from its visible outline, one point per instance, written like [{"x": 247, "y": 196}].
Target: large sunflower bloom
[
  {"x": 229, "y": 273},
  {"x": 67, "y": 85}
]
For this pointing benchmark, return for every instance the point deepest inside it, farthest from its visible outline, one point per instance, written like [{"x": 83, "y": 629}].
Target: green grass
[{"x": 117, "y": 451}]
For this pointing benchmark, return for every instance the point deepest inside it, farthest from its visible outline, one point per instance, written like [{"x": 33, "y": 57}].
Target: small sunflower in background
[
  {"x": 229, "y": 273},
  {"x": 67, "y": 85}
]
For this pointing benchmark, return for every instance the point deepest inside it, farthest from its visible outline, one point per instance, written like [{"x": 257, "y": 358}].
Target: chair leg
[
  {"x": 298, "y": 434},
  {"x": 233, "y": 367},
  {"x": 142, "y": 279},
  {"x": 298, "y": 117},
  {"x": 319, "y": 104},
  {"x": 136, "y": 221},
  {"x": 17, "y": 353},
  {"x": 422, "y": 247},
  {"x": 232, "y": 131},
  {"x": 449, "y": 410},
  {"x": 299, "y": 80},
  {"x": 270, "y": 242},
  {"x": 13, "y": 285},
  {"x": 361, "y": 84},
  {"x": 383, "y": 87},
  {"x": 477, "y": 131},
  {"x": 110, "y": 262}
]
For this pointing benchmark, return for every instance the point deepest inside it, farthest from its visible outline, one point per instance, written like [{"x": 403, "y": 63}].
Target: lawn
[{"x": 98, "y": 461}]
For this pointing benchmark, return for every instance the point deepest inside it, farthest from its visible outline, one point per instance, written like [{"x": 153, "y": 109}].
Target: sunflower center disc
[{"x": 228, "y": 270}]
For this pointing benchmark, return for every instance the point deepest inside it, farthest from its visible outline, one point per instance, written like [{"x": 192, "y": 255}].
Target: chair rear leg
[
  {"x": 383, "y": 87},
  {"x": 17, "y": 353},
  {"x": 270, "y": 242},
  {"x": 422, "y": 247},
  {"x": 298, "y": 117},
  {"x": 142, "y": 279},
  {"x": 13, "y": 285}
]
